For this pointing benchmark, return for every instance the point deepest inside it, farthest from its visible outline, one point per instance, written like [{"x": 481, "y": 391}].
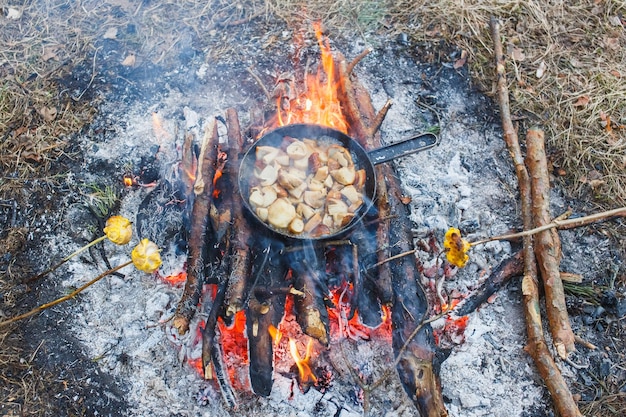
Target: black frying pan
[{"x": 362, "y": 160}]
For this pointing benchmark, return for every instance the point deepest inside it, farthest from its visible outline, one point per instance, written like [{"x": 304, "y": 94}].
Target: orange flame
[
  {"x": 157, "y": 127},
  {"x": 235, "y": 346},
  {"x": 303, "y": 363},
  {"x": 320, "y": 103}
]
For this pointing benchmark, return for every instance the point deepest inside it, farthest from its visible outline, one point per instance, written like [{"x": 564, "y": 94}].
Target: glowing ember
[
  {"x": 320, "y": 103},
  {"x": 176, "y": 279},
  {"x": 235, "y": 346},
  {"x": 196, "y": 364},
  {"x": 128, "y": 181}
]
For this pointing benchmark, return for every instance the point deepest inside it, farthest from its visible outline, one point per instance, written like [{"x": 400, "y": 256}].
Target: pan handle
[{"x": 406, "y": 147}]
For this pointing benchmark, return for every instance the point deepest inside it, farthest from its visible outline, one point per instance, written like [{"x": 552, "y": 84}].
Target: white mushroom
[
  {"x": 351, "y": 193},
  {"x": 288, "y": 180},
  {"x": 268, "y": 175},
  {"x": 267, "y": 154},
  {"x": 315, "y": 199},
  {"x": 296, "y": 226},
  {"x": 305, "y": 210},
  {"x": 281, "y": 213},
  {"x": 297, "y": 150},
  {"x": 344, "y": 175}
]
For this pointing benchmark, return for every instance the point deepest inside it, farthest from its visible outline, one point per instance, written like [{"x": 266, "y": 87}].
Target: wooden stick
[
  {"x": 547, "y": 249},
  {"x": 203, "y": 189},
  {"x": 559, "y": 224},
  {"x": 536, "y": 346},
  {"x": 380, "y": 117},
  {"x": 71, "y": 295},
  {"x": 356, "y": 60},
  {"x": 240, "y": 264}
]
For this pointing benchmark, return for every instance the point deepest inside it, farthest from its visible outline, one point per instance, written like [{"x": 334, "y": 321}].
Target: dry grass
[
  {"x": 582, "y": 91},
  {"x": 583, "y": 48}
]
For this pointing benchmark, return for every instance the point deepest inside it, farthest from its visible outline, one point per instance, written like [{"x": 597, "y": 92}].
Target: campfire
[{"x": 295, "y": 241}]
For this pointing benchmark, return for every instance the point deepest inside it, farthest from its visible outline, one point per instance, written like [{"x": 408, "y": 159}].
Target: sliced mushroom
[
  {"x": 297, "y": 150},
  {"x": 305, "y": 210},
  {"x": 262, "y": 197},
  {"x": 282, "y": 158},
  {"x": 262, "y": 212},
  {"x": 351, "y": 193},
  {"x": 344, "y": 175},
  {"x": 267, "y": 154},
  {"x": 298, "y": 191},
  {"x": 335, "y": 206},
  {"x": 341, "y": 155},
  {"x": 359, "y": 180},
  {"x": 355, "y": 206},
  {"x": 301, "y": 164},
  {"x": 321, "y": 173},
  {"x": 315, "y": 199},
  {"x": 268, "y": 175},
  {"x": 281, "y": 213},
  {"x": 315, "y": 185},
  {"x": 288, "y": 180},
  {"x": 313, "y": 222},
  {"x": 297, "y": 225}
]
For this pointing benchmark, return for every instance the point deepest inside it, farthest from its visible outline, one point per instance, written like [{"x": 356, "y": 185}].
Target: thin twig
[
  {"x": 260, "y": 83},
  {"x": 67, "y": 258},
  {"x": 65, "y": 297},
  {"x": 559, "y": 224}
]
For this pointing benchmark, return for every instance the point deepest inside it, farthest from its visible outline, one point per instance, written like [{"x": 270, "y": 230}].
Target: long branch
[{"x": 536, "y": 346}]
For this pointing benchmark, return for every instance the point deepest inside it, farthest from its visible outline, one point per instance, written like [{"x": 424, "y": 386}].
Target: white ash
[{"x": 466, "y": 181}]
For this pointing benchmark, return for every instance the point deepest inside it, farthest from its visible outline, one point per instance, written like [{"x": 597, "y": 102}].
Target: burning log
[
  {"x": 547, "y": 244},
  {"x": 311, "y": 312},
  {"x": 415, "y": 366},
  {"x": 240, "y": 261},
  {"x": 261, "y": 315},
  {"x": 212, "y": 351},
  {"x": 536, "y": 346},
  {"x": 199, "y": 223}
]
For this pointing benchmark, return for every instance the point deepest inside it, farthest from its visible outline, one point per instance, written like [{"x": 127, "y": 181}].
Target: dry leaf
[
  {"x": 582, "y": 101},
  {"x": 111, "y": 33},
  {"x": 517, "y": 54},
  {"x": 50, "y": 52},
  {"x": 48, "y": 113},
  {"x": 541, "y": 70},
  {"x": 461, "y": 61},
  {"x": 615, "y": 73},
  {"x": 13, "y": 13},
  {"x": 612, "y": 43},
  {"x": 129, "y": 61}
]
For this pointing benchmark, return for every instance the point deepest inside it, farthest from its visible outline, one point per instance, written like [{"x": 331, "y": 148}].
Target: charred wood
[
  {"x": 507, "y": 269},
  {"x": 241, "y": 231},
  {"x": 416, "y": 366},
  {"x": 212, "y": 356},
  {"x": 311, "y": 312},
  {"x": 268, "y": 270},
  {"x": 199, "y": 224}
]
